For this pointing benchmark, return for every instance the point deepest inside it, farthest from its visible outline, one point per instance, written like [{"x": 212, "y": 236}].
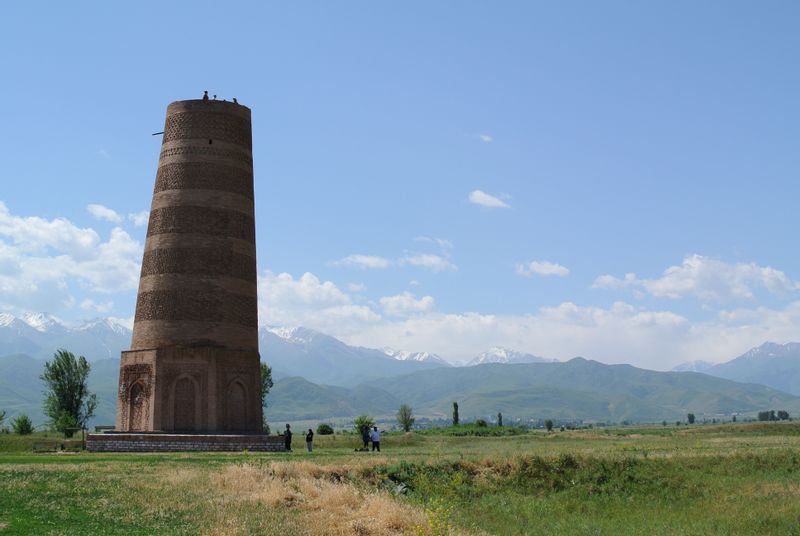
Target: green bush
[
  {"x": 66, "y": 424},
  {"x": 325, "y": 429},
  {"x": 481, "y": 423},
  {"x": 363, "y": 422},
  {"x": 22, "y": 425},
  {"x": 473, "y": 430}
]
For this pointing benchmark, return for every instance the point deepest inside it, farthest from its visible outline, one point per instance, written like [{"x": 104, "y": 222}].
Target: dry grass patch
[{"x": 325, "y": 500}]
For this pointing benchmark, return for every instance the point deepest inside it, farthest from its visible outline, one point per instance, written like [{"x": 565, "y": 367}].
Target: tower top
[{"x": 196, "y": 105}]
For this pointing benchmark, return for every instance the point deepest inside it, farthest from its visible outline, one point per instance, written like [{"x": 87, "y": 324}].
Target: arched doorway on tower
[
  {"x": 185, "y": 405},
  {"x": 236, "y": 406}
]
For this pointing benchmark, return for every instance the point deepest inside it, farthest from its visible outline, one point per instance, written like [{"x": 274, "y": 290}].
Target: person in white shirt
[{"x": 375, "y": 436}]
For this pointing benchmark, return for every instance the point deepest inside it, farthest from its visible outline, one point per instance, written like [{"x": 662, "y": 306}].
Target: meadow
[{"x": 704, "y": 479}]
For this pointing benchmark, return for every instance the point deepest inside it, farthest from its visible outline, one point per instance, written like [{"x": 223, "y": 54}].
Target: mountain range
[
  {"x": 317, "y": 377},
  {"x": 575, "y": 390},
  {"x": 497, "y": 354},
  {"x": 39, "y": 335},
  {"x": 776, "y": 365}
]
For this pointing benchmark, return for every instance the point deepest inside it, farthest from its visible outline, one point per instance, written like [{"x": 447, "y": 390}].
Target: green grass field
[{"x": 725, "y": 479}]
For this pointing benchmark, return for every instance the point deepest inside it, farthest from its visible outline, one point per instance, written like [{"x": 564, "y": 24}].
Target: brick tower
[{"x": 193, "y": 365}]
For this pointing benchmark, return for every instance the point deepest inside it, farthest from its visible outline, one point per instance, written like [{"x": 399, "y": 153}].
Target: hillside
[
  {"x": 21, "y": 389},
  {"x": 296, "y": 398},
  {"x": 581, "y": 389},
  {"x": 575, "y": 390}
]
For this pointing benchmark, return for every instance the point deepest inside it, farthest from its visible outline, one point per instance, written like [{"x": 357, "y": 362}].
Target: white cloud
[
  {"x": 432, "y": 262},
  {"x": 621, "y": 333},
  {"x": 485, "y": 138},
  {"x": 309, "y": 302},
  {"x": 103, "y": 213},
  {"x": 364, "y": 261},
  {"x": 42, "y": 261},
  {"x": 479, "y": 197},
  {"x": 91, "y": 305},
  {"x": 139, "y": 218},
  {"x": 444, "y": 245},
  {"x": 34, "y": 234},
  {"x": 356, "y": 287},
  {"x": 405, "y": 303},
  {"x": 414, "y": 283},
  {"x": 544, "y": 268},
  {"x": 707, "y": 279},
  {"x": 614, "y": 283}
]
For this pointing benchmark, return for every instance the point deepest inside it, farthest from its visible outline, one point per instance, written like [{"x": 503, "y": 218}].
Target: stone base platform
[{"x": 157, "y": 442}]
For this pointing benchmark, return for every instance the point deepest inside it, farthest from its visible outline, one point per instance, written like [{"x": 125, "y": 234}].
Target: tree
[
  {"x": 68, "y": 402},
  {"x": 782, "y": 415},
  {"x": 663, "y": 423},
  {"x": 499, "y": 419},
  {"x": 549, "y": 425},
  {"x": 763, "y": 415},
  {"x": 405, "y": 418},
  {"x": 266, "y": 383},
  {"x": 324, "y": 429},
  {"x": 690, "y": 418},
  {"x": 734, "y": 418},
  {"x": 2, "y": 417},
  {"x": 362, "y": 423},
  {"x": 22, "y": 425},
  {"x": 481, "y": 423},
  {"x": 455, "y": 413}
]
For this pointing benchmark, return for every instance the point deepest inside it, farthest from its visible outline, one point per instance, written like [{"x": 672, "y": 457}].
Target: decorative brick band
[
  {"x": 240, "y": 157},
  {"x": 213, "y": 305},
  {"x": 208, "y": 125},
  {"x": 133, "y": 442},
  {"x": 203, "y": 220},
  {"x": 211, "y": 262},
  {"x": 204, "y": 176}
]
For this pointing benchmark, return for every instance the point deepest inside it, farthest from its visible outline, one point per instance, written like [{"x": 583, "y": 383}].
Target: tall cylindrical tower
[
  {"x": 198, "y": 281},
  {"x": 194, "y": 363}
]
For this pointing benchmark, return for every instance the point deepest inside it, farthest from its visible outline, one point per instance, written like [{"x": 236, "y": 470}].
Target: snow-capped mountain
[
  {"x": 296, "y": 335},
  {"x": 43, "y": 322},
  {"x": 291, "y": 351},
  {"x": 770, "y": 350},
  {"x": 324, "y": 359},
  {"x": 423, "y": 357},
  {"x": 39, "y": 335},
  {"x": 771, "y": 364},
  {"x": 497, "y": 354},
  {"x": 105, "y": 324},
  {"x": 693, "y": 366}
]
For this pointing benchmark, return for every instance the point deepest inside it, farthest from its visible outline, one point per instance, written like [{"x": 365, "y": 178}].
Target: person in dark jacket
[
  {"x": 365, "y": 437},
  {"x": 310, "y": 440},
  {"x": 287, "y": 438}
]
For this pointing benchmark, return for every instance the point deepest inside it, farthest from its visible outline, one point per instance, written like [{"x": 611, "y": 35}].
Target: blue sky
[{"x": 450, "y": 176}]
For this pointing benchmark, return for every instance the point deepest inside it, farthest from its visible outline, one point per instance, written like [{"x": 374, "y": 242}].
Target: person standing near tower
[
  {"x": 376, "y": 440},
  {"x": 287, "y": 437},
  {"x": 310, "y": 440}
]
